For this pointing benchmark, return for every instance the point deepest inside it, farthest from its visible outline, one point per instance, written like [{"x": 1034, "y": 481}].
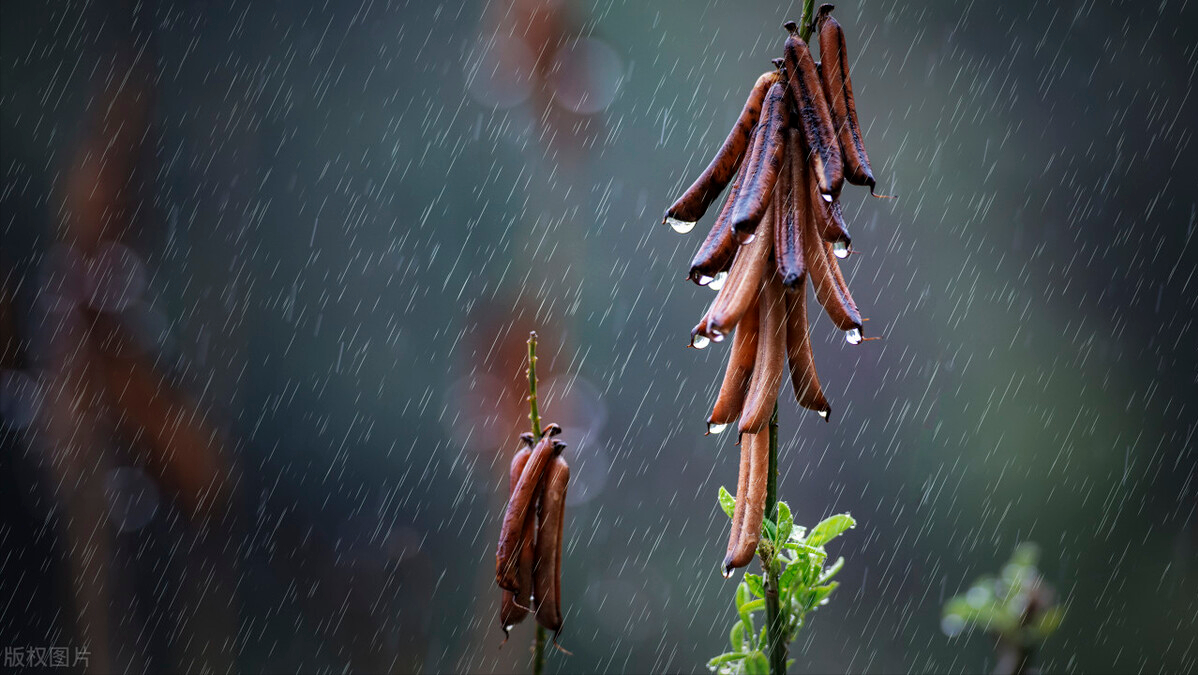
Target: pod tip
[
  {"x": 791, "y": 27},
  {"x": 552, "y": 429},
  {"x": 528, "y": 439},
  {"x": 793, "y": 280}
]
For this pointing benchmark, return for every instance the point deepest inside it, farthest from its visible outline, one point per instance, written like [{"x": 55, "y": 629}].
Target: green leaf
[
  {"x": 768, "y": 529},
  {"x": 756, "y": 587},
  {"x": 821, "y": 593},
  {"x": 754, "y": 606},
  {"x": 786, "y": 523},
  {"x": 727, "y": 657},
  {"x": 737, "y": 637},
  {"x": 831, "y": 571},
  {"x": 742, "y": 595},
  {"x": 830, "y": 528},
  {"x": 727, "y": 502},
  {"x": 787, "y": 581},
  {"x": 756, "y": 664}
]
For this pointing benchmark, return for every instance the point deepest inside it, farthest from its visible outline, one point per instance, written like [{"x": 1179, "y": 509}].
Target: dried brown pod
[
  {"x": 743, "y": 282},
  {"x": 788, "y": 230},
  {"x": 753, "y": 496},
  {"x": 800, "y": 357},
  {"x": 757, "y": 191},
  {"x": 739, "y": 371},
  {"x": 518, "y": 509},
  {"x": 771, "y": 356},
  {"x": 820, "y": 272},
  {"x": 547, "y": 566},
  {"x": 813, "y": 117},
  {"x": 515, "y": 605},
  {"x": 838, "y": 88},
  {"x": 716, "y": 253},
  {"x": 693, "y": 203}
]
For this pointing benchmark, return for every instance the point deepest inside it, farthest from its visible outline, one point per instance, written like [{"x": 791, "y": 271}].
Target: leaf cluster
[
  {"x": 798, "y": 560},
  {"x": 1017, "y": 605}
]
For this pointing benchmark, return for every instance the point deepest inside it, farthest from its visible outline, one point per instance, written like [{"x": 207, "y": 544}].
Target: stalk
[
  {"x": 776, "y": 649},
  {"x": 534, "y": 416}
]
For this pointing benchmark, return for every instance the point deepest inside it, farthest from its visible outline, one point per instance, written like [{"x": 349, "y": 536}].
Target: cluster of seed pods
[
  {"x": 794, "y": 145},
  {"x": 528, "y": 562}
]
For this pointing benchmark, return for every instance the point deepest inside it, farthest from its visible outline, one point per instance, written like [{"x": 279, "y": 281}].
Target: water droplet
[
  {"x": 699, "y": 341},
  {"x": 680, "y": 226},
  {"x": 705, "y": 280},
  {"x": 852, "y": 336},
  {"x": 840, "y": 248},
  {"x": 715, "y": 428},
  {"x": 716, "y": 336},
  {"x": 952, "y": 624},
  {"x": 745, "y": 238},
  {"x": 718, "y": 282},
  {"x": 822, "y": 413},
  {"x": 727, "y": 572},
  {"x": 827, "y": 198}
]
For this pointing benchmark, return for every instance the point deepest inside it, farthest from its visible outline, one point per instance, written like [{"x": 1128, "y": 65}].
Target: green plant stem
[
  {"x": 805, "y": 27},
  {"x": 776, "y": 649},
  {"x": 534, "y": 416}
]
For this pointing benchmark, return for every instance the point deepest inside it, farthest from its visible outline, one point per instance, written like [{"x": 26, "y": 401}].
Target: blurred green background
[{"x": 349, "y": 215}]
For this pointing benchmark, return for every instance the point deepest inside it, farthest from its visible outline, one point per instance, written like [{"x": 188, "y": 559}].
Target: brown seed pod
[
  {"x": 841, "y": 285},
  {"x": 800, "y": 357},
  {"x": 758, "y": 188},
  {"x": 731, "y": 398},
  {"x": 738, "y": 512},
  {"x": 813, "y": 117},
  {"x": 514, "y": 606},
  {"x": 838, "y": 88},
  {"x": 754, "y": 500},
  {"x": 822, "y": 276},
  {"x": 693, "y": 203},
  {"x": 788, "y": 230},
  {"x": 717, "y": 251},
  {"x": 547, "y": 568},
  {"x": 771, "y": 356},
  {"x": 519, "y": 508},
  {"x": 744, "y": 280}
]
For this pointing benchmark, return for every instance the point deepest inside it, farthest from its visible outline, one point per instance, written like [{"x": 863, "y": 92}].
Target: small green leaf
[
  {"x": 727, "y": 657},
  {"x": 727, "y": 502},
  {"x": 786, "y": 523},
  {"x": 821, "y": 594},
  {"x": 787, "y": 581},
  {"x": 742, "y": 595},
  {"x": 830, "y": 528},
  {"x": 768, "y": 529},
  {"x": 754, "y": 605},
  {"x": 756, "y": 587},
  {"x": 756, "y": 664},
  {"x": 831, "y": 571},
  {"x": 737, "y": 637}
]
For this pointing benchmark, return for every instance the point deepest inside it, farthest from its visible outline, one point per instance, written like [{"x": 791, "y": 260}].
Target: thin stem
[
  {"x": 805, "y": 27},
  {"x": 534, "y": 416},
  {"x": 776, "y": 649}
]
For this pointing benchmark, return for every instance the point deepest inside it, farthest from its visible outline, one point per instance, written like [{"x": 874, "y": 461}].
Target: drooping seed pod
[
  {"x": 739, "y": 371},
  {"x": 744, "y": 280},
  {"x": 822, "y": 276},
  {"x": 800, "y": 357},
  {"x": 718, "y": 250},
  {"x": 754, "y": 500},
  {"x": 788, "y": 230},
  {"x": 738, "y": 511},
  {"x": 514, "y": 606},
  {"x": 813, "y": 116},
  {"x": 838, "y": 88},
  {"x": 693, "y": 203},
  {"x": 547, "y": 568},
  {"x": 518, "y": 509},
  {"x": 771, "y": 357},
  {"x": 758, "y": 189}
]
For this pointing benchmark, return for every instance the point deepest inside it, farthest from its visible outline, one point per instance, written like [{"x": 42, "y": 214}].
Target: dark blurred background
[{"x": 268, "y": 269}]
